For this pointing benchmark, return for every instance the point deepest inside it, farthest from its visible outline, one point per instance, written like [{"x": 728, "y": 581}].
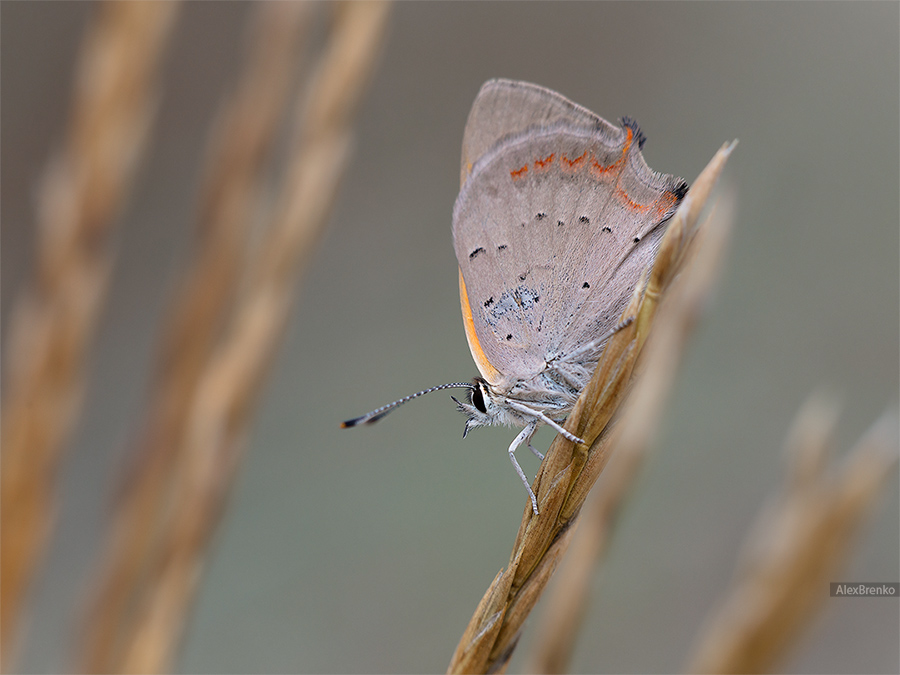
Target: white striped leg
[
  {"x": 524, "y": 436},
  {"x": 515, "y": 405}
]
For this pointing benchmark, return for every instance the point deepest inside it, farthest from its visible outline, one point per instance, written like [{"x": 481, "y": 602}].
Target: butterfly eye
[{"x": 478, "y": 399}]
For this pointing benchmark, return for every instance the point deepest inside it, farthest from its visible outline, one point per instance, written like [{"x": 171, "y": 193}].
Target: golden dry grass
[
  {"x": 799, "y": 544},
  {"x": 217, "y": 345},
  {"x": 221, "y": 394},
  {"x": 239, "y": 144},
  {"x": 52, "y": 324}
]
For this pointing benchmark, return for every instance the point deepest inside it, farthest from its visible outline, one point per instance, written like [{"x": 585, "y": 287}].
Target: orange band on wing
[{"x": 488, "y": 372}]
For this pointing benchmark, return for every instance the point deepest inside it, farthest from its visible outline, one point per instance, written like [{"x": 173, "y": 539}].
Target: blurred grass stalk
[
  {"x": 81, "y": 195},
  {"x": 210, "y": 383},
  {"x": 568, "y": 472},
  {"x": 799, "y": 544},
  {"x": 239, "y": 143}
]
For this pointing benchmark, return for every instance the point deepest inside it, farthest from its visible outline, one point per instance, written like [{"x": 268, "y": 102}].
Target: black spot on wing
[{"x": 474, "y": 254}]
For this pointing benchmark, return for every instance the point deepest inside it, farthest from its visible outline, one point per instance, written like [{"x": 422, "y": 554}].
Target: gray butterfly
[{"x": 556, "y": 218}]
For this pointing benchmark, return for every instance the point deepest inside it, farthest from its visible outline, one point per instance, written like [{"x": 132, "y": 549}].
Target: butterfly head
[{"x": 483, "y": 407}]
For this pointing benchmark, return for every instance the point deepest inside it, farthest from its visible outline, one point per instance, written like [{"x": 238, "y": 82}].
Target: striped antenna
[{"x": 378, "y": 413}]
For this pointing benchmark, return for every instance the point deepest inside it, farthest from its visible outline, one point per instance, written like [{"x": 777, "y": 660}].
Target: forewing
[{"x": 505, "y": 108}]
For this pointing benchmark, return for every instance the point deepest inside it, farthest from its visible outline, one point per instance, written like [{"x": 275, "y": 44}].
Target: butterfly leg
[
  {"x": 537, "y": 454},
  {"x": 515, "y": 405},
  {"x": 524, "y": 436}
]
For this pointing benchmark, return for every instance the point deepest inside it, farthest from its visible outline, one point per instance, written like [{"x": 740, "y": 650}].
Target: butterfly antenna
[{"x": 378, "y": 413}]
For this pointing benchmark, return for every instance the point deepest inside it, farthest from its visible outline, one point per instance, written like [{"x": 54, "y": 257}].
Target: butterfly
[{"x": 557, "y": 216}]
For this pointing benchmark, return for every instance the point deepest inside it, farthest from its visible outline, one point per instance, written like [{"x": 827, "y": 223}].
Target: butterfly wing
[
  {"x": 557, "y": 216},
  {"x": 505, "y": 108}
]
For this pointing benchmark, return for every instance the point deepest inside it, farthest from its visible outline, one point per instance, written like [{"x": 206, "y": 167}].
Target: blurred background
[{"x": 367, "y": 550}]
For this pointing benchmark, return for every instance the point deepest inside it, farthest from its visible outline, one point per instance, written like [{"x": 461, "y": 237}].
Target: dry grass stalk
[
  {"x": 568, "y": 472},
  {"x": 227, "y": 388},
  {"x": 82, "y": 192},
  {"x": 238, "y": 146},
  {"x": 566, "y": 606},
  {"x": 798, "y": 545}
]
